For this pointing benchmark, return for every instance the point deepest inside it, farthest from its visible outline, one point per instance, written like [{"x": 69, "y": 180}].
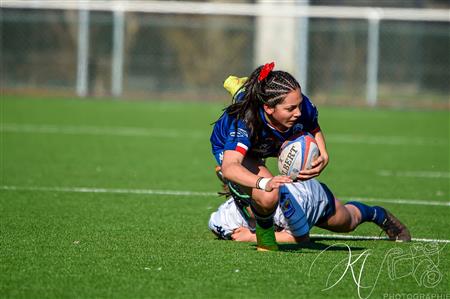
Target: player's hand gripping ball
[{"x": 296, "y": 154}]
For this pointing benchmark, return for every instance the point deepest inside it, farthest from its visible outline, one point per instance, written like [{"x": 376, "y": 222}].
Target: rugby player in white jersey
[{"x": 302, "y": 205}]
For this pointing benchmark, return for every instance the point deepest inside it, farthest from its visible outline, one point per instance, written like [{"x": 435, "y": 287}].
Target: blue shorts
[{"x": 331, "y": 206}]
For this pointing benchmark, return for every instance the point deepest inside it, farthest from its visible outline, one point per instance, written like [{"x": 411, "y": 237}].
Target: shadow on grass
[
  {"x": 317, "y": 246},
  {"x": 314, "y": 246}
]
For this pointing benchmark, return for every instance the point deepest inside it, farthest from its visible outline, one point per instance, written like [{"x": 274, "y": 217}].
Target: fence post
[
  {"x": 373, "y": 41},
  {"x": 117, "y": 57},
  {"x": 83, "y": 53},
  {"x": 302, "y": 47}
]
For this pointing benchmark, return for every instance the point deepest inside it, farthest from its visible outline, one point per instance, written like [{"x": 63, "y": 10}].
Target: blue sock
[{"x": 372, "y": 214}]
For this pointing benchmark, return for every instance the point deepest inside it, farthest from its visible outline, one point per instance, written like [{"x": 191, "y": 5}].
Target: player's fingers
[
  {"x": 282, "y": 182},
  {"x": 277, "y": 181},
  {"x": 276, "y": 185},
  {"x": 312, "y": 171},
  {"x": 282, "y": 178},
  {"x": 317, "y": 161},
  {"x": 306, "y": 172},
  {"x": 309, "y": 174},
  {"x": 306, "y": 177}
]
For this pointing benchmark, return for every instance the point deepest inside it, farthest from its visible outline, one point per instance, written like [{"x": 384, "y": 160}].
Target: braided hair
[{"x": 264, "y": 86}]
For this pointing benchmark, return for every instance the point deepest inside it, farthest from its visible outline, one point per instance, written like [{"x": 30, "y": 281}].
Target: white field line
[
  {"x": 108, "y": 190},
  {"x": 94, "y": 130},
  {"x": 416, "y": 174},
  {"x": 399, "y": 201},
  {"x": 386, "y": 140},
  {"x": 193, "y": 193},
  {"x": 176, "y": 133},
  {"x": 353, "y": 237}
]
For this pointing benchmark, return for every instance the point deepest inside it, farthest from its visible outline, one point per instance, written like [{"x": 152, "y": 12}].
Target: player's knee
[
  {"x": 343, "y": 220},
  {"x": 267, "y": 201}
]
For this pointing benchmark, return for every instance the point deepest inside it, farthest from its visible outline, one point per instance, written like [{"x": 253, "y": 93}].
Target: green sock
[{"x": 265, "y": 238}]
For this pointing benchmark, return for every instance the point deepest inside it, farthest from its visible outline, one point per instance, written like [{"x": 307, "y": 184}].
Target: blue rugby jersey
[{"x": 225, "y": 136}]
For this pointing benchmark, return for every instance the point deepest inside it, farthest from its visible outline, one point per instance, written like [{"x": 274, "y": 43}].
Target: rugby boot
[{"x": 395, "y": 230}]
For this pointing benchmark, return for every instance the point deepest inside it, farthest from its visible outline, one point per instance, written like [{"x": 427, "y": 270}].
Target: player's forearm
[
  {"x": 239, "y": 174},
  {"x": 285, "y": 237},
  {"x": 242, "y": 234},
  {"x": 281, "y": 237}
]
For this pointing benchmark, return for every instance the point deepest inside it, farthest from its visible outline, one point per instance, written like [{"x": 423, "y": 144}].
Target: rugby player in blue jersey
[
  {"x": 302, "y": 205},
  {"x": 268, "y": 109}
]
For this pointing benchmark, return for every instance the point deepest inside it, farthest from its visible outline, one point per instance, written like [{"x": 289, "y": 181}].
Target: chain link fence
[{"x": 187, "y": 56}]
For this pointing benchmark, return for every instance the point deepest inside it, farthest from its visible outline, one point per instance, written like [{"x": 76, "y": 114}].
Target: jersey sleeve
[
  {"x": 238, "y": 138},
  {"x": 310, "y": 116},
  {"x": 226, "y": 219}
]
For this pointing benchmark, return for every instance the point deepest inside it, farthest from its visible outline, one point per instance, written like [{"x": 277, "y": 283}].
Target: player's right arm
[{"x": 233, "y": 170}]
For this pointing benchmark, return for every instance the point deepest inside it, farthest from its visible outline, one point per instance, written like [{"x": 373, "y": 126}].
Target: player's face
[{"x": 284, "y": 115}]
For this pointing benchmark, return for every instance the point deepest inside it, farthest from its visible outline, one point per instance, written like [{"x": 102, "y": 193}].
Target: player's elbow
[{"x": 227, "y": 171}]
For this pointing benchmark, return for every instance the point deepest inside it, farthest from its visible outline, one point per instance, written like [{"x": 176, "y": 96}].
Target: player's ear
[{"x": 268, "y": 110}]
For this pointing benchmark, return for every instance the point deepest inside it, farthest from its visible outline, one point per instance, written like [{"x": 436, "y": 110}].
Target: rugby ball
[{"x": 297, "y": 154}]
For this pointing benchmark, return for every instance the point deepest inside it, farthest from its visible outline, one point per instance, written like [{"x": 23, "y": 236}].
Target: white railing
[
  {"x": 262, "y": 9},
  {"x": 265, "y": 8}
]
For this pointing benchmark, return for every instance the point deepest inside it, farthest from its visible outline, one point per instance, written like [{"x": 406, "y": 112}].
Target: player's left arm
[
  {"x": 286, "y": 237},
  {"x": 311, "y": 118},
  {"x": 243, "y": 234},
  {"x": 322, "y": 160}
]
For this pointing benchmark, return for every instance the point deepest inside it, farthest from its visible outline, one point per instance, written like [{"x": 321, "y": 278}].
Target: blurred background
[{"x": 391, "y": 53}]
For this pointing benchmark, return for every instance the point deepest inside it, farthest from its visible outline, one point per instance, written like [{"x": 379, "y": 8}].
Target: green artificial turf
[{"x": 89, "y": 205}]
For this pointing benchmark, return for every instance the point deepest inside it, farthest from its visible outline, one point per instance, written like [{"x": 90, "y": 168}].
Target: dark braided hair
[{"x": 270, "y": 91}]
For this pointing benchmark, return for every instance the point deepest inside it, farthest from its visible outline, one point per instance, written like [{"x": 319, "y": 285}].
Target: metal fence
[{"x": 341, "y": 57}]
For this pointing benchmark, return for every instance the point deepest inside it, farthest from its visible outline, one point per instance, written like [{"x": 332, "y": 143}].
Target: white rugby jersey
[{"x": 301, "y": 205}]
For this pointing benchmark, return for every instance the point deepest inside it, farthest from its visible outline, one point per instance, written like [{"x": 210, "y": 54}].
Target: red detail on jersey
[
  {"x": 242, "y": 150},
  {"x": 315, "y": 130}
]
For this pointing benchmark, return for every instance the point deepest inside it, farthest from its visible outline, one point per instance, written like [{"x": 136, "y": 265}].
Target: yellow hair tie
[{"x": 232, "y": 84}]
